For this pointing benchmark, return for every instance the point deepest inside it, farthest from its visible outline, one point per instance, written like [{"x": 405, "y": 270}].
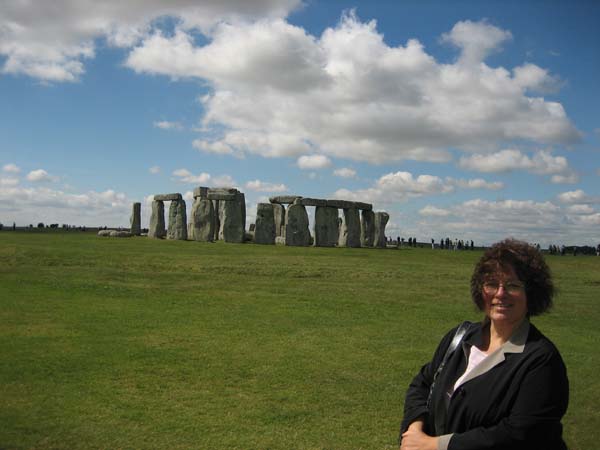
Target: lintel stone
[
  {"x": 306, "y": 201},
  {"x": 341, "y": 204},
  {"x": 201, "y": 192},
  {"x": 167, "y": 197},
  {"x": 364, "y": 206},
  {"x": 284, "y": 199}
]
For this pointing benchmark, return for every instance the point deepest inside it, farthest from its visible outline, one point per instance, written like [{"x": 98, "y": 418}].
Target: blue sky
[{"x": 466, "y": 119}]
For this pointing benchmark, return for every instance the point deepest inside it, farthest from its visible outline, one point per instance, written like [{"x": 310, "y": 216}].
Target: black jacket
[{"x": 517, "y": 404}]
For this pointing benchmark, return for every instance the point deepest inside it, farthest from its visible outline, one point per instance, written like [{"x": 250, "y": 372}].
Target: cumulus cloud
[
  {"x": 477, "y": 183},
  {"x": 401, "y": 186},
  {"x": 488, "y": 221},
  {"x": 345, "y": 172},
  {"x": 51, "y": 40},
  {"x": 541, "y": 163},
  {"x": 430, "y": 210},
  {"x": 11, "y": 168},
  {"x": 475, "y": 40},
  {"x": 311, "y": 162},
  {"x": 166, "y": 125},
  {"x": 263, "y": 186},
  {"x": 154, "y": 170},
  {"x": 40, "y": 175},
  {"x": 8, "y": 181},
  {"x": 205, "y": 179},
  {"x": 577, "y": 196},
  {"x": 42, "y": 204},
  {"x": 274, "y": 86}
]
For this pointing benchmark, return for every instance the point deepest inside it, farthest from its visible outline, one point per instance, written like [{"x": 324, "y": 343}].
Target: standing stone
[
  {"x": 367, "y": 228},
  {"x": 326, "y": 226},
  {"x": 381, "y": 220},
  {"x": 232, "y": 226},
  {"x": 157, "y": 220},
  {"x": 203, "y": 220},
  {"x": 241, "y": 199},
  {"x": 296, "y": 226},
  {"x": 135, "y": 220},
  {"x": 218, "y": 212},
  {"x": 264, "y": 228},
  {"x": 177, "y": 221},
  {"x": 279, "y": 216},
  {"x": 350, "y": 228}
]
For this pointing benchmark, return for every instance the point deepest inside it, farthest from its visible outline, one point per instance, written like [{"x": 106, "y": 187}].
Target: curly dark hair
[{"x": 529, "y": 265}]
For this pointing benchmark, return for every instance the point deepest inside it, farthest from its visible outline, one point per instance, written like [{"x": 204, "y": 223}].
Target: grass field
[{"x": 138, "y": 343}]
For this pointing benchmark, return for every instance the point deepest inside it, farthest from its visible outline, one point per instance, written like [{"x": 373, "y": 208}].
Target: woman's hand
[{"x": 415, "y": 439}]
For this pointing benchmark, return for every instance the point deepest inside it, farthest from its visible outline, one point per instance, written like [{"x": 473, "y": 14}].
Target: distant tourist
[
  {"x": 432, "y": 244},
  {"x": 502, "y": 384}
]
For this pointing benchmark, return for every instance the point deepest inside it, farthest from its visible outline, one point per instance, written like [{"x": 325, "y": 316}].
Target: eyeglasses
[{"x": 511, "y": 288}]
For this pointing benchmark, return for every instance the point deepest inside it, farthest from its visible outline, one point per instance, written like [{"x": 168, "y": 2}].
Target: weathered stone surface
[
  {"x": 326, "y": 226},
  {"x": 218, "y": 208},
  {"x": 220, "y": 196},
  {"x": 350, "y": 228},
  {"x": 232, "y": 225},
  {"x": 177, "y": 221},
  {"x": 367, "y": 228},
  {"x": 104, "y": 233},
  {"x": 280, "y": 240},
  {"x": 364, "y": 206},
  {"x": 225, "y": 194},
  {"x": 264, "y": 230},
  {"x": 251, "y": 227},
  {"x": 279, "y": 216},
  {"x": 306, "y": 201},
  {"x": 296, "y": 226},
  {"x": 136, "y": 219},
  {"x": 203, "y": 220},
  {"x": 200, "y": 192},
  {"x": 157, "y": 220},
  {"x": 284, "y": 199},
  {"x": 241, "y": 199},
  {"x": 341, "y": 204},
  {"x": 381, "y": 220},
  {"x": 167, "y": 197}
]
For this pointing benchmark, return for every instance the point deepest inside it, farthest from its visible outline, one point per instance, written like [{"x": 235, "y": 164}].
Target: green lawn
[{"x": 138, "y": 343}]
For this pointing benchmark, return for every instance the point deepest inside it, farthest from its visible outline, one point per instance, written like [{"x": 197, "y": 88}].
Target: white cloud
[
  {"x": 577, "y": 196},
  {"x": 262, "y": 186},
  {"x": 11, "y": 168},
  {"x": 274, "y": 86},
  {"x": 311, "y": 162},
  {"x": 478, "y": 183},
  {"x": 430, "y": 210},
  {"x": 8, "y": 181},
  {"x": 401, "y": 186},
  {"x": 541, "y": 163},
  {"x": 154, "y": 170},
  {"x": 186, "y": 176},
  {"x": 166, "y": 125},
  {"x": 345, "y": 172},
  {"x": 41, "y": 204},
  {"x": 529, "y": 76},
  {"x": 476, "y": 40},
  {"x": 50, "y": 41},
  {"x": 40, "y": 175},
  {"x": 581, "y": 209},
  {"x": 204, "y": 179}
]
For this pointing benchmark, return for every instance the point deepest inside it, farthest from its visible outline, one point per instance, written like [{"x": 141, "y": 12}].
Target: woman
[{"x": 505, "y": 386}]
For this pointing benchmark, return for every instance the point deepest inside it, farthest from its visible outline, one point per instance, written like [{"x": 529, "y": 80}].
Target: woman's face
[{"x": 504, "y": 298}]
